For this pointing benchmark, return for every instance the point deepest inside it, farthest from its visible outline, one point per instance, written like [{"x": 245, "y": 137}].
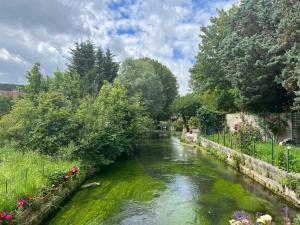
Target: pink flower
[
  {"x": 3, "y": 215},
  {"x": 21, "y": 202},
  {"x": 1, "y": 221},
  {"x": 75, "y": 169},
  {"x": 8, "y": 217}
]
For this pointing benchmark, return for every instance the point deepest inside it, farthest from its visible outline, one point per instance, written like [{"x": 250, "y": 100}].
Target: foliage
[
  {"x": 46, "y": 125},
  {"x": 151, "y": 80},
  {"x": 275, "y": 123},
  {"x": 245, "y": 135},
  {"x": 178, "y": 124},
  {"x": 249, "y": 56},
  {"x": 5, "y": 105},
  {"x": 210, "y": 121},
  {"x": 208, "y": 75},
  {"x": 27, "y": 177},
  {"x": 193, "y": 122},
  {"x": 93, "y": 67},
  {"x": 186, "y": 106},
  {"x": 110, "y": 125},
  {"x": 243, "y": 218}
]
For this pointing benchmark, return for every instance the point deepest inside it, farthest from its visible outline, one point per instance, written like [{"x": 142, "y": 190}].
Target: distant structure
[{"x": 13, "y": 93}]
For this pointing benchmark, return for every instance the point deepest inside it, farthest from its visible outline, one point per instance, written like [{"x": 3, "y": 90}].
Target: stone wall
[
  {"x": 264, "y": 173},
  {"x": 53, "y": 201},
  {"x": 255, "y": 120}
]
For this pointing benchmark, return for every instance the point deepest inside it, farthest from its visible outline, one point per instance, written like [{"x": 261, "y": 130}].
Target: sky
[{"x": 44, "y": 31}]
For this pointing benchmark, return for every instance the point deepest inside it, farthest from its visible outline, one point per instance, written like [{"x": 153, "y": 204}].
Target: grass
[
  {"x": 263, "y": 151},
  {"x": 26, "y": 174}
]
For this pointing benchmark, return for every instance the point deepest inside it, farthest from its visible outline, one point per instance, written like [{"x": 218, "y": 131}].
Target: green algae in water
[
  {"x": 167, "y": 184},
  {"x": 122, "y": 182}
]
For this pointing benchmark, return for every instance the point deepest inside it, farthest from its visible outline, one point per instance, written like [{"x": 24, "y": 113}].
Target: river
[{"x": 167, "y": 183}]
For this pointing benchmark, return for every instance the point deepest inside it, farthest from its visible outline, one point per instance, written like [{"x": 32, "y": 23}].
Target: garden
[{"x": 28, "y": 179}]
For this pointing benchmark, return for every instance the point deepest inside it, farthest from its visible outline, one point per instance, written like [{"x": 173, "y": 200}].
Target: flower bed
[{"x": 26, "y": 204}]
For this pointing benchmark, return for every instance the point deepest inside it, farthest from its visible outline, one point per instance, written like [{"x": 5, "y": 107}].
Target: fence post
[
  {"x": 287, "y": 158},
  {"x": 6, "y": 185},
  {"x": 254, "y": 147},
  {"x": 26, "y": 176},
  {"x": 272, "y": 150}
]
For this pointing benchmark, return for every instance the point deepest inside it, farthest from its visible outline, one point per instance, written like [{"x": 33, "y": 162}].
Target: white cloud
[
  {"x": 7, "y": 56},
  {"x": 161, "y": 26}
]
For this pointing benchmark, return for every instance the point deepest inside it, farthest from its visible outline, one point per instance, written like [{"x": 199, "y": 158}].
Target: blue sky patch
[{"x": 177, "y": 54}]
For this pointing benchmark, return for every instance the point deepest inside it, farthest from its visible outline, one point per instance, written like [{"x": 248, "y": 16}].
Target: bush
[
  {"x": 210, "y": 121},
  {"x": 111, "y": 124},
  {"x": 245, "y": 134},
  {"x": 193, "y": 122},
  {"x": 45, "y": 125}
]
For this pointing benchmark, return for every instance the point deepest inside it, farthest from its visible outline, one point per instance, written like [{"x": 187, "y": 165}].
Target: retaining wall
[
  {"x": 264, "y": 173},
  {"x": 53, "y": 201}
]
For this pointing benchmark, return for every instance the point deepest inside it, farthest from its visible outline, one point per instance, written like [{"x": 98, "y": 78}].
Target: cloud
[{"x": 44, "y": 31}]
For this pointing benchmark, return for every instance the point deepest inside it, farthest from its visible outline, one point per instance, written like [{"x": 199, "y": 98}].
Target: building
[{"x": 13, "y": 93}]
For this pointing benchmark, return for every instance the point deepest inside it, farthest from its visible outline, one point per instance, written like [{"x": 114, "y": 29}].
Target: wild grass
[{"x": 24, "y": 174}]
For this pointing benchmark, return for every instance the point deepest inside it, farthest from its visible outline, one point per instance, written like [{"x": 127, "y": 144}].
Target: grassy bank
[
  {"x": 263, "y": 150},
  {"x": 26, "y": 174}
]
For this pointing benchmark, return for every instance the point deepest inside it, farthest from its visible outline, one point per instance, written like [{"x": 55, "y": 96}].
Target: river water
[{"x": 167, "y": 183}]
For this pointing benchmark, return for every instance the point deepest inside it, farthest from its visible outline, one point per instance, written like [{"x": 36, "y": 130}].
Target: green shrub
[
  {"x": 245, "y": 135},
  {"x": 210, "y": 121},
  {"x": 193, "y": 122}
]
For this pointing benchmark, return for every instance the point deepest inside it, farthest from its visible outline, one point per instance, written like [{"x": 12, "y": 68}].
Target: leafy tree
[
  {"x": 111, "y": 68},
  {"x": 111, "y": 125},
  {"x": 208, "y": 75},
  {"x": 5, "y": 105},
  {"x": 34, "y": 77},
  {"x": 252, "y": 57},
  {"x": 83, "y": 63},
  {"x": 186, "y": 106},
  {"x": 153, "y": 81},
  {"x": 169, "y": 83},
  {"x": 93, "y": 67},
  {"x": 45, "y": 125},
  {"x": 140, "y": 78},
  {"x": 67, "y": 83}
]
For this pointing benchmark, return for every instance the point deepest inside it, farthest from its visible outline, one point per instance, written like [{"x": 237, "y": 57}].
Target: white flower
[{"x": 265, "y": 219}]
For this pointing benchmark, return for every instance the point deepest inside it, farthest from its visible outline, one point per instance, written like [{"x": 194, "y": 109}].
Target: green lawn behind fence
[
  {"x": 263, "y": 151},
  {"x": 26, "y": 174}
]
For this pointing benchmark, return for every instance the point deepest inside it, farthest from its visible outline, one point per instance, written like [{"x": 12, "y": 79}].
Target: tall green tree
[
  {"x": 111, "y": 125},
  {"x": 5, "y": 105},
  {"x": 208, "y": 75},
  {"x": 186, "y": 106},
  {"x": 253, "y": 55},
  {"x": 153, "y": 82},
  {"x": 35, "y": 80},
  {"x": 93, "y": 66},
  {"x": 169, "y": 83}
]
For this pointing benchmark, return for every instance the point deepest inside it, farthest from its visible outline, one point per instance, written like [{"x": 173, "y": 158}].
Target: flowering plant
[
  {"x": 25, "y": 202},
  {"x": 5, "y": 218},
  {"x": 242, "y": 218},
  {"x": 73, "y": 171}
]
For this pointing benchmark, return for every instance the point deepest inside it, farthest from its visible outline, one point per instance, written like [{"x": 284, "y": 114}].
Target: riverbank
[
  {"x": 167, "y": 183},
  {"x": 283, "y": 184}
]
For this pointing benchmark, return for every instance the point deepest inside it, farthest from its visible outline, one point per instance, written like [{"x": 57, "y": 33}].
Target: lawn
[
  {"x": 263, "y": 151},
  {"x": 26, "y": 174}
]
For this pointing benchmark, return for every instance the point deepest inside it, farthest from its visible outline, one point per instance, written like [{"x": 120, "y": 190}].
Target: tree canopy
[
  {"x": 153, "y": 81},
  {"x": 249, "y": 56}
]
